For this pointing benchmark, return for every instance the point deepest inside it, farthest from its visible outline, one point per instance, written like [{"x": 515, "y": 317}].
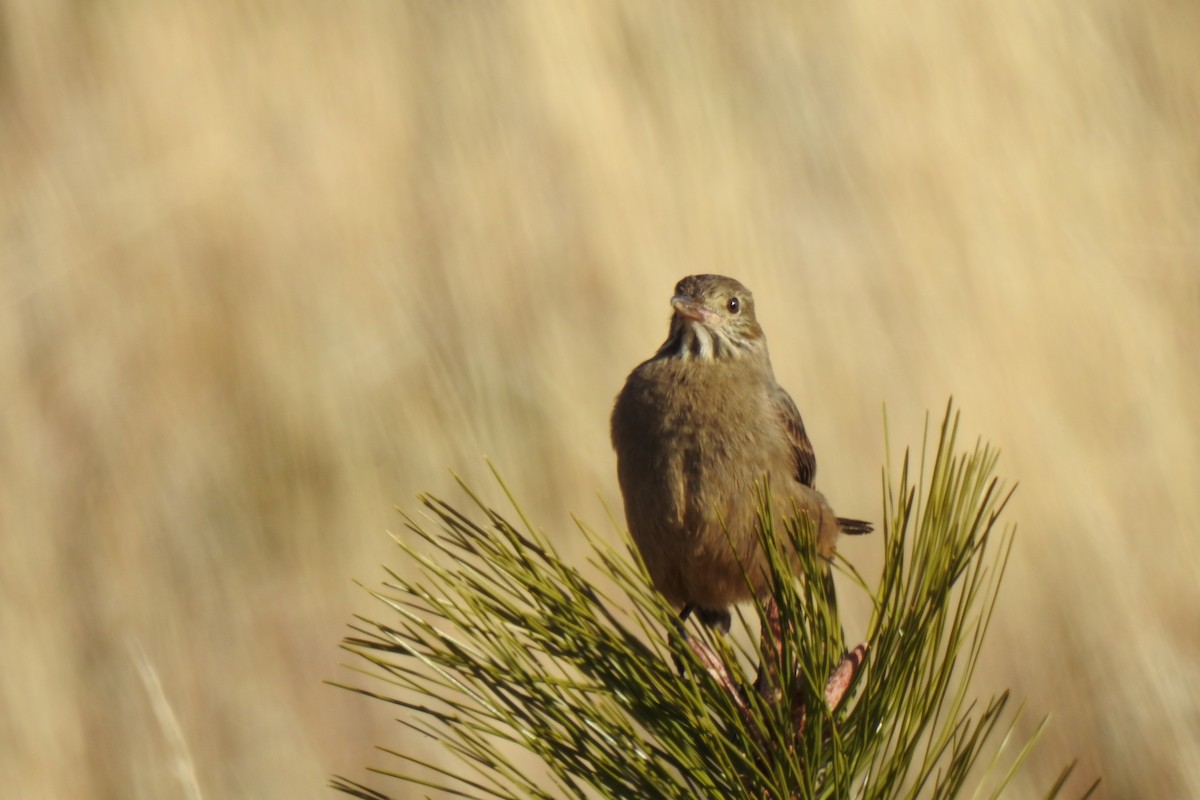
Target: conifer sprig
[{"x": 498, "y": 645}]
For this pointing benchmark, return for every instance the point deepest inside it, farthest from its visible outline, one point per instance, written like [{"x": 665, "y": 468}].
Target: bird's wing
[{"x": 802, "y": 449}]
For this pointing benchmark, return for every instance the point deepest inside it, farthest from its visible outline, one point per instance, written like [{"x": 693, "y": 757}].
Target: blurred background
[{"x": 268, "y": 269}]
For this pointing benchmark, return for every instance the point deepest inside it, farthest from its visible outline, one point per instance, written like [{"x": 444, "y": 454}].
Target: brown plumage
[{"x": 696, "y": 429}]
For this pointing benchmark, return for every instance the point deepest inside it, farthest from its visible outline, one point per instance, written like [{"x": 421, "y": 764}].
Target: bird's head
[{"x": 713, "y": 319}]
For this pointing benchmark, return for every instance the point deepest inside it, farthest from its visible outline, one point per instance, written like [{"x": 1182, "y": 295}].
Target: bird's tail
[{"x": 854, "y": 527}]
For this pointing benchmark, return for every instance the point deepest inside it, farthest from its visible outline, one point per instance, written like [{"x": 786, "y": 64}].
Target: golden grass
[{"x": 269, "y": 268}]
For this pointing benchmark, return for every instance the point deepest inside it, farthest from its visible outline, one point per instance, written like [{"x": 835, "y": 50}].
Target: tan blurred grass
[{"x": 269, "y": 268}]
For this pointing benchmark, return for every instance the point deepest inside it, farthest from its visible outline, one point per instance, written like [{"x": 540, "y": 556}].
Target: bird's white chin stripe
[
  {"x": 692, "y": 340},
  {"x": 704, "y": 344},
  {"x": 701, "y": 344}
]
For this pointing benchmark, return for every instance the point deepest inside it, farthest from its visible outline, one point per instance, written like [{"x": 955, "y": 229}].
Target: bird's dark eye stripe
[{"x": 734, "y": 305}]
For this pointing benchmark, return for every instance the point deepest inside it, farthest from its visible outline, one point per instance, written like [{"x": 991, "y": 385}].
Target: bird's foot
[
  {"x": 708, "y": 657},
  {"x": 716, "y": 668}
]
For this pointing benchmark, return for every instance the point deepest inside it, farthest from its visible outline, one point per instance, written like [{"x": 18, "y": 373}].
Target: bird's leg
[
  {"x": 770, "y": 652},
  {"x": 712, "y": 663}
]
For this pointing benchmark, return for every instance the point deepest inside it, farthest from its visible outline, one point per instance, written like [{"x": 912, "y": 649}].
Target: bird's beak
[{"x": 688, "y": 308}]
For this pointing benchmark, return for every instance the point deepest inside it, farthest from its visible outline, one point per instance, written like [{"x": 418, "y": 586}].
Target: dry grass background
[{"x": 269, "y": 268}]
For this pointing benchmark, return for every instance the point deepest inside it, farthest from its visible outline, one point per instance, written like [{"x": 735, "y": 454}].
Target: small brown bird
[{"x": 696, "y": 429}]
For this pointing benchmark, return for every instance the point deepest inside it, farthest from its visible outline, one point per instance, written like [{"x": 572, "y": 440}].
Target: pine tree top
[{"x": 497, "y": 645}]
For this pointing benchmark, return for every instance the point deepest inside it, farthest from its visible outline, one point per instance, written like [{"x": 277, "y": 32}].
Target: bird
[{"x": 696, "y": 428}]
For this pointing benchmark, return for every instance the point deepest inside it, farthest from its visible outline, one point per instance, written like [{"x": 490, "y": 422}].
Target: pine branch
[{"x": 499, "y": 644}]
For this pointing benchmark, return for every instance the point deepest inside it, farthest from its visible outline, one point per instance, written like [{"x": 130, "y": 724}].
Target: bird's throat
[{"x": 691, "y": 340}]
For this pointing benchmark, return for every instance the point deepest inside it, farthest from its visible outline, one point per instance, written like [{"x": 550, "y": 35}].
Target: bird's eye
[{"x": 734, "y": 305}]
